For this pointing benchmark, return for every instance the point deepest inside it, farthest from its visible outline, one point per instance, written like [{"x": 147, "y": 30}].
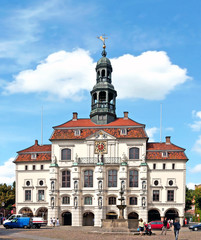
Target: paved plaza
[{"x": 85, "y": 233}]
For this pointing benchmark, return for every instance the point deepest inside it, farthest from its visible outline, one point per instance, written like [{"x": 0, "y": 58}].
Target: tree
[
  {"x": 7, "y": 195},
  {"x": 189, "y": 198},
  {"x": 197, "y": 194}
]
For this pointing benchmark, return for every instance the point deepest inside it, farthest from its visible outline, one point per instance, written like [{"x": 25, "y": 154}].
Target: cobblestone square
[{"x": 88, "y": 233}]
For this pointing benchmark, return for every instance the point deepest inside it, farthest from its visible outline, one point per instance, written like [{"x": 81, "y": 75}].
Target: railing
[
  {"x": 103, "y": 105},
  {"x": 95, "y": 160}
]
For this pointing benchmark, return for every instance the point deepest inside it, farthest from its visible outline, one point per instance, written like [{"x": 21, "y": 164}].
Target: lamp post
[{"x": 3, "y": 205}]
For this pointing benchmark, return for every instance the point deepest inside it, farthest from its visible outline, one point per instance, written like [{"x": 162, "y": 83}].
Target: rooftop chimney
[
  {"x": 36, "y": 142},
  {"x": 168, "y": 140},
  {"x": 74, "y": 116},
  {"x": 125, "y": 115}
]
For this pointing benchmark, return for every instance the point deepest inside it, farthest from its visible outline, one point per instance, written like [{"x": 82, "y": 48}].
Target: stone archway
[
  {"x": 171, "y": 214},
  {"x": 88, "y": 219},
  {"x": 111, "y": 215},
  {"x": 26, "y": 211},
  {"x": 153, "y": 215},
  {"x": 42, "y": 212},
  {"x": 67, "y": 218},
  {"x": 133, "y": 215},
  {"x": 133, "y": 220}
]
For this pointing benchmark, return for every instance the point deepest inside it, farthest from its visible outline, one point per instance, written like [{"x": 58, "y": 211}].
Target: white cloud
[
  {"x": 61, "y": 74},
  {"x": 196, "y": 125},
  {"x": 196, "y": 169},
  {"x": 191, "y": 185},
  {"x": 197, "y": 145},
  {"x": 149, "y": 76},
  {"x": 7, "y": 172},
  {"x": 67, "y": 74},
  {"x": 151, "y": 132}
]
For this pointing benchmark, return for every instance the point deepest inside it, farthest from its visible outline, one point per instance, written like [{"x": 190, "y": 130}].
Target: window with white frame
[
  {"x": 41, "y": 195},
  {"x": 27, "y": 195},
  {"x": 123, "y": 131},
  {"x": 65, "y": 200},
  {"x": 77, "y": 132},
  {"x": 164, "y": 154},
  {"x": 88, "y": 200},
  {"x": 133, "y": 201}
]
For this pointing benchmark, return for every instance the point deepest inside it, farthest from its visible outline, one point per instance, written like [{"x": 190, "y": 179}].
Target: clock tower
[{"x": 103, "y": 95}]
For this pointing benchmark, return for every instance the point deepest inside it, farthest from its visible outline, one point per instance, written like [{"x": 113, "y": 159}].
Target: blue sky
[{"x": 48, "y": 52}]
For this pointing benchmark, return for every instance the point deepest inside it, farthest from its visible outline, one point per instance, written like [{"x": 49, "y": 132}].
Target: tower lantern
[{"x": 103, "y": 95}]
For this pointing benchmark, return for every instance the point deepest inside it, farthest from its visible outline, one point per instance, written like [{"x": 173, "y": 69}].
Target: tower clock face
[{"x": 100, "y": 147}]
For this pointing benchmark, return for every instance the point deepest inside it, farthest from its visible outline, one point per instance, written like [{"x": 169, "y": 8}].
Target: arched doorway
[
  {"x": 111, "y": 215},
  {"x": 133, "y": 215},
  {"x": 67, "y": 218},
  {"x": 171, "y": 214},
  {"x": 26, "y": 211},
  {"x": 42, "y": 212},
  {"x": 88, "y": 219},
  {"x": 153, "y": 215},
  {"x": 133, "y": 220}
]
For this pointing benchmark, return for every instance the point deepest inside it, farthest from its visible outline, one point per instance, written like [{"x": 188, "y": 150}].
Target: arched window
[
  {"x": 103, "y": 73},
  {"x": 133, "y": 178},
  {"x": 66, "y": 179},
  {"x": 88, "y": 201},
  {"x": 112, "y": 178},
  {"x": 65, "y": 200},
  {"x": 88, "y": 178},
  {"x": 66, "y": 154},
  {"x": 134, "y": 153},
  {"x": 133, "y": 201},
  {"x": 112, "y": 201}
]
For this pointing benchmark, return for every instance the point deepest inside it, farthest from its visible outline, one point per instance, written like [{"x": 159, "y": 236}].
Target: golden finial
[{"x": 102, "y": 38}]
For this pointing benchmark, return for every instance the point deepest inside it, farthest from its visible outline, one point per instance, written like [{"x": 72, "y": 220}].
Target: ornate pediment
[{"x": 100, "y": 136}]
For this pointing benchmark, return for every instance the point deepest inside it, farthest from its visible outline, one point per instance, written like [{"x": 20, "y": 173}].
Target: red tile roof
[
  {"x": 162, "y": 146},
  {"x": 27, "y": 157},
  {"x": 171, "y": 156},
  {"x": 60, "y": 134},
  {"x": 88, "y": 123},
  {"x": 37, "y": 148}
]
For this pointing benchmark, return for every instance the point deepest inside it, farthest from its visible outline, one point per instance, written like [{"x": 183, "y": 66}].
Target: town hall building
[{"x": 79, "y": 177}]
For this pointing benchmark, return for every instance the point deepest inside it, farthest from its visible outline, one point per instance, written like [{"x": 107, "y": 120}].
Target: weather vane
[{"x": 102, "y": 38}]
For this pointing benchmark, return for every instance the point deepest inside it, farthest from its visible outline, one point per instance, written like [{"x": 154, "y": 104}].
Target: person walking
[
  {"x": 177, "y": 227},
  {"x": 141, "y": 226},
  {"x": 164, "y": 229},
  {"x": 57, "y": 224},
  {"x": 51, "y": 222},
  {"x": 54, "y": 221}
]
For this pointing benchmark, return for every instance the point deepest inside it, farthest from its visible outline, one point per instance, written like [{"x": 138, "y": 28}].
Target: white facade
[
  {"x": 98, "y": 206},
  {"x": 79, "y": 176}
]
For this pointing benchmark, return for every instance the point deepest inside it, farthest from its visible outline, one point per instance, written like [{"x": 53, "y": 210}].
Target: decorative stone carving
[
  {"x": 75, "y": 202},
  {"x": 52, "y": 186},
  {"x": 124, "y": 158},
  {"x": 100, "y": 202},
  {"x": 76, "y": 185},
  {"x": 100, "y": 185},
  {"x": 52, "y": 202}
]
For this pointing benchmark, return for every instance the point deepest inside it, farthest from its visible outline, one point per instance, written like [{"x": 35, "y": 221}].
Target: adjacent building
[{"x": 78, "y": 177}]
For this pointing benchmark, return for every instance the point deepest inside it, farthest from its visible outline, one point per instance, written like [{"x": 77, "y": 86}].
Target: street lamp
[{"x": 3, "y": 205}]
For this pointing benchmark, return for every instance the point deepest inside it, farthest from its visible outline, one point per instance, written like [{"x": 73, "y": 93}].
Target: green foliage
[
  {"x": 189, "y": 198},
  {"x": 7, "y": 195},
  {"x": 197, "y": 194}
]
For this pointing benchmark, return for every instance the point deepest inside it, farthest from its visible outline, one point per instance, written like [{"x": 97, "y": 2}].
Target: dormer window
[
  {"x": 164, "y": 154},
  {"x": 33, "y": 156},
  {"x": 123, "y": 131},
  {"x": 77, "y": 132}
]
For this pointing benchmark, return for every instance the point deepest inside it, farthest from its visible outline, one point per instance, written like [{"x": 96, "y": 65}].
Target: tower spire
[{"x": 103, "y": 95}]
